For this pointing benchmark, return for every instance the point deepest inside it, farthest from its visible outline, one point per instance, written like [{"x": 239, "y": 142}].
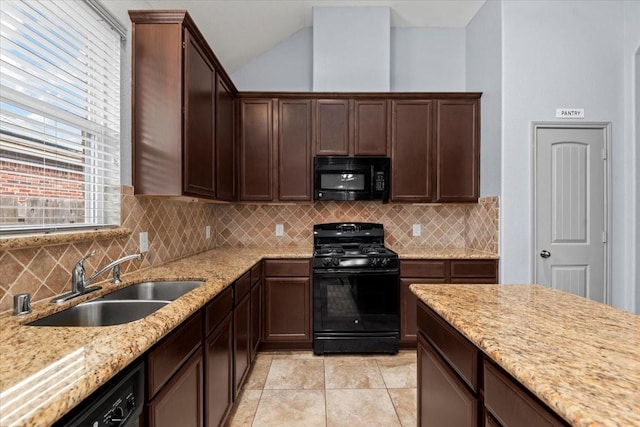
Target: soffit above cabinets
[{"x": 238, "y": 31}]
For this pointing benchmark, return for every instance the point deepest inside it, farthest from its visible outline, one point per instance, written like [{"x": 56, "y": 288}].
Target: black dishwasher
[{"x": 118, "y": 403}]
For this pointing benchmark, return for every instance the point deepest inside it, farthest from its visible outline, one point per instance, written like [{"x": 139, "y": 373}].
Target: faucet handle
[{"x": 77, "y": 275}]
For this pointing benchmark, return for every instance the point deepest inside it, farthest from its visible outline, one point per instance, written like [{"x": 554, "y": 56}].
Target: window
[{"x": 59, "y": 116}]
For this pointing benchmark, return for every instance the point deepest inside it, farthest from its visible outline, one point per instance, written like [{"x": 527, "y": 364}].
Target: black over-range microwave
[{"x": 351, "y": 178}]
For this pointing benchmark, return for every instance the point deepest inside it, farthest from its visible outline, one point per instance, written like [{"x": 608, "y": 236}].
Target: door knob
[{"x": 545, "y": 254}]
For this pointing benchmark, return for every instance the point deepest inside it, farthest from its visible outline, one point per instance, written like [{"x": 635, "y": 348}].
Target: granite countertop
[
  {"x": 580, "y": 357},
  {"x": 443, "y": 253},
  {"x": 46, "y": 371}
]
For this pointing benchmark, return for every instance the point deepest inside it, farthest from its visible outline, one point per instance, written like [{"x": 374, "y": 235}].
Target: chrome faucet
[{"x": 78, "y": 282}]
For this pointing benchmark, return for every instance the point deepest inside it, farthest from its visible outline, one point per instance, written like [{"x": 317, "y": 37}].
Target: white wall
[
  {"x": 632, "y": 137},
  {"x": 428, "y": 60},
  {"x": 422, "y": 59},
  {"x": 288, "y": 66},
  {"x": 561, "y": 54},
  {"x": 351, "y": 48},
  {"x": 484, "y": 74}
]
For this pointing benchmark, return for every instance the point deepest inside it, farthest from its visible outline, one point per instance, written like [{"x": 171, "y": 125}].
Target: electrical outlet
[
  {"x": 207, "y": 231},
  {"x": 144, "y": 241},
  {"x": 417, "y": 230},
  {"x": 279, "y": 230}
]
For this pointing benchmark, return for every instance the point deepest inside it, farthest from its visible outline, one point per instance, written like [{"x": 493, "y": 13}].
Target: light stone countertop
[
  {"x": 47, "y": 371},
  {"x": 443, "y": 253},
  {"x": 580, "y": 357}
]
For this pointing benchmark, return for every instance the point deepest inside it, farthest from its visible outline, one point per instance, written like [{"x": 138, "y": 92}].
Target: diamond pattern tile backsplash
[
  {"x": 176, "y": 230},
  {"x": 451, "y": 226}
]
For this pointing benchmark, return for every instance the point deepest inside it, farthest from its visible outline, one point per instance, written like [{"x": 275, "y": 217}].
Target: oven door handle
[{"x": 369, "y": 271}]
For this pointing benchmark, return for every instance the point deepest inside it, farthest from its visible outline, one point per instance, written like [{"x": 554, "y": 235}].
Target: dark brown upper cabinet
[
  {"x": 225, "y": 143},
  {"x": 457, "y": 150},
  {"x": 332, "y": 127},
  {"x": 198, "y": 140},
  {"x": 256, "y": 149},
  {"x": 370, "y": 128},
  {"x": 411, "y": 150},
  {"x": 174, "y": 74},
  {"x": 294, "y": 149},
  {"x": 352, "y": 127}
]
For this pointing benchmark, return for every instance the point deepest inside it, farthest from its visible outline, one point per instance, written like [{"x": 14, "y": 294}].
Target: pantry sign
[{"x": 569, "y": 113}]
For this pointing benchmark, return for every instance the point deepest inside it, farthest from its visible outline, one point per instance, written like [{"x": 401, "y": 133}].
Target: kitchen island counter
[
  {"x": 579, "y": 357},
  {"x": 46, "y": 371}
]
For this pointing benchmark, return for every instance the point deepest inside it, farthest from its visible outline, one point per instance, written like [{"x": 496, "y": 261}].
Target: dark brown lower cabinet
[
  {"x": 458, "y": 385},
  {"x": 241, "y": 343},
  {"x": 443, "y": 399},
  {"x": 219, "y": 373},
  {"x": 287, "y": 304},
  {"x": 510, "y": 404},
  {"x": 256, "y": 317},
  {"x": 179, "y": 403}
]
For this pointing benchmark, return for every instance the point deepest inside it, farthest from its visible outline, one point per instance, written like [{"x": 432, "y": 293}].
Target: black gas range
[{"x": 355, "y": 290}]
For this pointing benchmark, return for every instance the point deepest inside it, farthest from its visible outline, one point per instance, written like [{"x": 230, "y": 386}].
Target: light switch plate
[
  {"x": 207, "y": 231},
  {"x": 144, "y": 241},
  {"x": 417, "y": 230},
  {"x": 279, "y": 230}
]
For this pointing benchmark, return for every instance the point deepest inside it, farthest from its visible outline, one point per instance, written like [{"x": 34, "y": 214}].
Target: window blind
[{"x": 59, "y": 117}]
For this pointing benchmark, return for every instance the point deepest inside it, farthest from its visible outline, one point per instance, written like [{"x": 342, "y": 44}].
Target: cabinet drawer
[
  {"x": 180, "y": 402},
  {"x": 287, "y": 268},
  {"x": 443, "y": 398},
  {"x": 167, "y": 357},
  {"x": 420, "y": 268},
  {"x": 466, "y": 268},
  {"x": 456, "y": 349},
  {"x": 510, "y": 404},
  {"x": 242, "y": 285},
  {"x": 217, "y": 309},
  {"x": 256, "y": 273}
]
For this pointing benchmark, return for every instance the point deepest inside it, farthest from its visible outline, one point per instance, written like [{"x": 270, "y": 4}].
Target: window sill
[{"x": 31, "y": 240}]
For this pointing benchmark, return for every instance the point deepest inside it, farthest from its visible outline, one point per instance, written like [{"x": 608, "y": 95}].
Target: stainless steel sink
[
  {"x": 156, "y": 290},
  {"x": 101, "y": 313}
]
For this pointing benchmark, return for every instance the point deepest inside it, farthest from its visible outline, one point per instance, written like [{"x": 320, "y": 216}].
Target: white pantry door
[{"x": 570, "y": 209}]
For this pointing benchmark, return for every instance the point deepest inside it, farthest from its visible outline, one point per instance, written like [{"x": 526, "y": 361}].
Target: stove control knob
[
  {"x": 335, "y": 262},
  {"x": 326, "y": 262},
  {"x": 384, "y": 261},
  {"x": 374, "y": 261}
]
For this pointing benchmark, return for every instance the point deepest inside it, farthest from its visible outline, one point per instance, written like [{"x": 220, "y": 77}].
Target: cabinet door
[
  {"x": 241, "y": 344},
  {"x": 256, "y": 150},
  {"x": 180, "y": 401},
  {"x": 199, "y": 116},
  {"x": 225, "y": 147},
  {"x": 370, "y": 128},
  {"x": 408, "y": 309},
  {"x": 332, "y": 127},
  {"x": 256, "y": 318},
  {"x": 443, "y": 399},
  {"x": 411, "y": 151},
  {"x": 219, "y": 373},
  {"x": 294, "y": 150},
  {"x": 457, "y": 150},
  {"x": 287, "y": 309}
]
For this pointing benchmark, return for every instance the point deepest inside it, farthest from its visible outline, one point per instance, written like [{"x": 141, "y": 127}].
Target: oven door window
[
  {"x": 361, "y": 302},
  {"x": 343, "y": 181}
]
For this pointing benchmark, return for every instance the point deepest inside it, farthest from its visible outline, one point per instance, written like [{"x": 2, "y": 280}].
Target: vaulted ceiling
[{"x": 239, "y": 30}]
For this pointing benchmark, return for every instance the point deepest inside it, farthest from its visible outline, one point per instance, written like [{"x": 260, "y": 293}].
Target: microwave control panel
[{"x": 379, "y": 181}]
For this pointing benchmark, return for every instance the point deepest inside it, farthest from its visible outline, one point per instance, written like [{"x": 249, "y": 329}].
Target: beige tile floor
[{"x": 300, "y": 389}]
